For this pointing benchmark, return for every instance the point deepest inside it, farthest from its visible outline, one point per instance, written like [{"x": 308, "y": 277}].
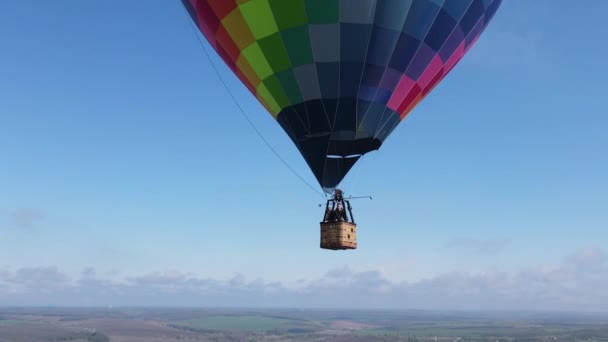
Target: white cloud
[{"x": 576, "y": 283}]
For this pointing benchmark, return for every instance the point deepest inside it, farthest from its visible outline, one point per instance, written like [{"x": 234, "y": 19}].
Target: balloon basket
[
  {"x": 338, "y": 235},
  {"x": 338, "y": 229}
]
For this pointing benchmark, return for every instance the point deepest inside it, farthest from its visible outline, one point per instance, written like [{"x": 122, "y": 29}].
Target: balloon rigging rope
[{"x": 241, "y": 110}]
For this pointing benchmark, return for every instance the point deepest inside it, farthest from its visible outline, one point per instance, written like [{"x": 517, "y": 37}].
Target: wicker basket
[{"x": 338, "y": 235}]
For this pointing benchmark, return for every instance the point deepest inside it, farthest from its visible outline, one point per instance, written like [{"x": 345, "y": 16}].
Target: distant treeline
[{"x": 88, "y": 336}]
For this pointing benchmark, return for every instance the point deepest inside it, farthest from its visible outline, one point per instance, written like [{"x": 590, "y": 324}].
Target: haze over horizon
[{"x": 128, "y": 177}]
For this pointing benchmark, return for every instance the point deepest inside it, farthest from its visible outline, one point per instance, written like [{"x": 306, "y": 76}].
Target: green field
[
  {"x": 513, "y": 332},
  {"x": 241, "y": 323},
  {"x": 192, "y": 324},
  {"x": 8, "y": 322}
]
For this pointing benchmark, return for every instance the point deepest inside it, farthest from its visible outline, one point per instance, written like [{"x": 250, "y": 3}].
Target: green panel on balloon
[
  {"x": 276, "y": 90},
  {"x": 259, "y": 16},
  {"x": 275, "y": 53},
  {"x": 297, "y": 43},
  {"x": 265, "y": 94},
  {"x": 323, "y": 11},
  {"x": 289, "y": 13},
  {"x": 290, "y": 85},
  {"x": 258, "y": 61},
  {"x": 244, "y": 66}
]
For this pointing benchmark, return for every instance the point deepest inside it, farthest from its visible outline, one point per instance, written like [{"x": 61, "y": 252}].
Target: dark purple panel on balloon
[{"x": 421, "y": 61}]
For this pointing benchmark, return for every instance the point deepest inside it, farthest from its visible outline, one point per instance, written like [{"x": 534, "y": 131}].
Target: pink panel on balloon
[
  {"x": 438, "y": 77},
  {"x": 408, "y": 101},
  {"x": 429, "y": 74},
  {"x": 390, "y": 79},
  {"x": 403, "y": 89},
  {"x": 456, "y": 56}
]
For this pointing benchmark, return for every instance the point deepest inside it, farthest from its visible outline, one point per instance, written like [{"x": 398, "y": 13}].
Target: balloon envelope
[{"x": 339, "y": 75}]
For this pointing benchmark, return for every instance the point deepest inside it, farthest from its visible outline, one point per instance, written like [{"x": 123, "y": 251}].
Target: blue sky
[{"x": 121, "y": 154}]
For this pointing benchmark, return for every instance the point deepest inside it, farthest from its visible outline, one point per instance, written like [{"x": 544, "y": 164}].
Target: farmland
[{"x": 172, "y": 325}]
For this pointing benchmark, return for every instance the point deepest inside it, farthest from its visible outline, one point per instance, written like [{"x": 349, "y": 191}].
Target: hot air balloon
[{"x": 340, "y": 75}]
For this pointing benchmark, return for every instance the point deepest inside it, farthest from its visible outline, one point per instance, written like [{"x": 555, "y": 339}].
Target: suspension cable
[{"x": 241, "y": 110}]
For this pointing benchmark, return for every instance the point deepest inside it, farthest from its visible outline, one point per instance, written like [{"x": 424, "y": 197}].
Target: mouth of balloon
[
  {"x": 329, "y": 191},
  {"x": 333, "y": 156}
]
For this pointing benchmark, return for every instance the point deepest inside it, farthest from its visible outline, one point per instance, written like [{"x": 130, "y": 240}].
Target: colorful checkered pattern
[{"x": 352, "y": 69}]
